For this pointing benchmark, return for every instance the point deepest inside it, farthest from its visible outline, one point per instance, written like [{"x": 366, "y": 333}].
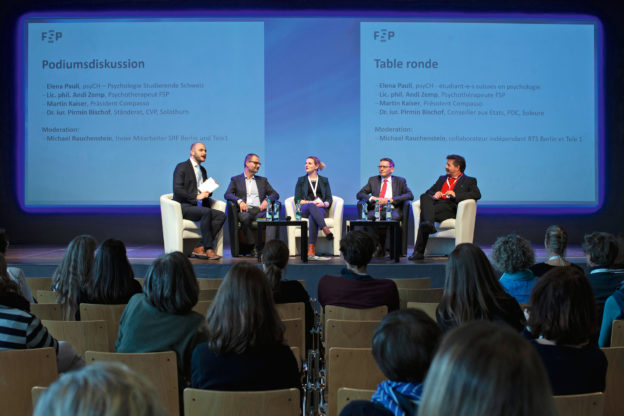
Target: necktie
[
  {"x": 199, "y": 177},
  {"x": 382, "y": 194}
]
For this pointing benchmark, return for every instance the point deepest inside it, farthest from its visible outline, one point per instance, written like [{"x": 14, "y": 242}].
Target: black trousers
[
  {"x": 432, "y": 210},
  {"x": 211, "y": 221}
]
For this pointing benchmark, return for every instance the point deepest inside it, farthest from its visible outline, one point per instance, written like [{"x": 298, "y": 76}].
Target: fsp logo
[
  {"x": 51, "y": 36},
  {"x": 383, "y": 35}
]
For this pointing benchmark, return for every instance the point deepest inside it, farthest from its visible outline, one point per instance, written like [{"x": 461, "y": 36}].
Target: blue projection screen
[{"x": 109, "y": 105}]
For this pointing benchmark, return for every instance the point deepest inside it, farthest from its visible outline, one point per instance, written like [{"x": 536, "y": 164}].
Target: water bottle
[
  {"x": 269, "y": 210},
  {"x": 277, "y": 206},
  {"x": 388, "y": 211},
  {"x": 364, "y": 210},
  {"x": 377, "y": 211},
  {"x": 298, "y": 210}
]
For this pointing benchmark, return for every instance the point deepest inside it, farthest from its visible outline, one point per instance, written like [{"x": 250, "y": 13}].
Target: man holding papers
[{"x": 190, "y": 186}]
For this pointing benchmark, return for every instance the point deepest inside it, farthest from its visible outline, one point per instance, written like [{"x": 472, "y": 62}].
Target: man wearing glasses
[
  {"x": 250, "y": 191},
  {"x": 187, "y": 178},
  {"x": 385, "y": 188}
]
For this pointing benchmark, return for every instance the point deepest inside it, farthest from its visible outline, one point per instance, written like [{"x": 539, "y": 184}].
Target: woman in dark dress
[{"x": 555, "y": 243}]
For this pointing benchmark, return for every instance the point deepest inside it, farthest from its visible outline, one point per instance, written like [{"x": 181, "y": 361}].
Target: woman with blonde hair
[
  {"x": 312, "y": 191},
  {"x": 555, "y": 243}
]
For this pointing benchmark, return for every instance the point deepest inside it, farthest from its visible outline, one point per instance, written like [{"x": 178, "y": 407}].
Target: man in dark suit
[
  {"x": 187, "y": 177},
  {"x": 440, "y": 201},
  {"x": 385, "y": 188},
  {"x": 250, "y": 192}
]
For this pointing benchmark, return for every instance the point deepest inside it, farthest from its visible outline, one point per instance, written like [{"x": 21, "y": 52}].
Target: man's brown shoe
[
  {"x": 212, "y": 255},
  {"x": 199, "y": 253}
]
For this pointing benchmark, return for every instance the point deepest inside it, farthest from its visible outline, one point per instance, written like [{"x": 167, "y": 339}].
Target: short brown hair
[
  {"x": 171, "y": 285},
  {"x": 387, "y": 159},
  {"x": 601, "y": 248},
  {"x": 458, "y": 161}
]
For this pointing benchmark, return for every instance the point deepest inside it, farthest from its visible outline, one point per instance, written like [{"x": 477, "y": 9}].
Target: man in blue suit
[
  {"x": 250, "y": 193},
  {"x": 187, "y": 177}
]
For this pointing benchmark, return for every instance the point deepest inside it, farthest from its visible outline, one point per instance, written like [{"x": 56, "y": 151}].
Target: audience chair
[
  {"x": 591, "y": 404},
  {"x": 202, "y": 306},
  {"x": 350, "y": 314},
  {"x": 47, "y": 311},
  {"x": 291, "y": 310},
  {"x": 109, "y": 313},
  {"x": 242, "y": 403},
  {"x": 82, "y": 335},
  {"x": 159, "y": 367},
  {"x": 617, "y": 333},
  {"x": 35, "y": 394},
  {"x": 209, "y": 283},
  {"x": 350, "y": 367},
  {"x": 420, "y": 295},
  {"x": 294, "y": 334},
  {"x": 349, "y": 334},
  {"x": 234, "y": 228},
  {"x": 452, "y": 231},
  {"x": 141, "y": 280},
  {"x": 180, "y": 234},
  {"x": 207, "y": 294},
  {"x": 428, "y": 307},
  {"x": 413, "y": 283},
  {"x": 38, "y": 283},
  {"x": 333, "y": 221},
  {"x": 614, "y": 399},
  {"x": 20, "y": 371},
  {"x": 347, "y": 395},
  {"x": 297, "y": 353},
  {"x": 46, "y": 296}
]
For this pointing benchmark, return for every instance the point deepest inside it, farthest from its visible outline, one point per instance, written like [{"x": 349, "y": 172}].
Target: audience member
[
  {"x": 73, "y": 275},
  {"x": 245, "y": 349},
  {"x": 113, "y": 279},
  {"x": 601, "y": 250},
  {"x": 355, "y": 288},
  {"x": 102, "y": 389},
  {"x": 403, "y": 346},
  {"x": 513, "y": 255},
  {"x": 618, "y": 263},
  {"x": 471, "y": 292},
  {"x": 161, "y": 318},
  {"x": 555, "y": 243},
  {"x": 15, "y": 273},
  {"x": 613, "y": 309},
  {"x": 563, "y": 321},
  {"x": 483, "y": 368},
  {"x": 275, "y": 258},
  {"x": 19, "y": 329}
]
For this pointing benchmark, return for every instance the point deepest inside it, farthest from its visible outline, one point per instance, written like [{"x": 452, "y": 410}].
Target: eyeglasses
[
  {"x": 255, "y": 163},
  {"x": 384, "y": 167}
]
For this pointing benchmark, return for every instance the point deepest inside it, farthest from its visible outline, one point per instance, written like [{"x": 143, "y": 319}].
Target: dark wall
[{"x": 145, "y": 228}]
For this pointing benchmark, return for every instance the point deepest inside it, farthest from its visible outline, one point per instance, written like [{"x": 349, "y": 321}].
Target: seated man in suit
[
  {"x": 187, "y": 177},
  {"x": 250, "y": 192},
  {"x": 440, "y": 201},
  {"x": 385, "y": 188}
]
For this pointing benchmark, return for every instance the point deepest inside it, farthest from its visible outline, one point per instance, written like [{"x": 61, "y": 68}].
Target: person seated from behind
[
  {"x": 563, "y": 321},
  {"x": 15, "y": 273},
  {"x": 113, "y": 279},
  {"x": 483, "y": 368},
  {"x": 513, "y": 255},
  {"x": 601, "y": 251},
  {"x": 245, "y": 349},
  {"x": 101, "y": 388},
  {"x": 275, "y": 258},
  {"x": 162, "y": 317},
  {"x": 472, "y": 292},
  {"x": 555, "y": 243},
  {"x": 355, "y": 288},
  {"x": 613, "y": 310},
  {"x": 404, "y": 344}
]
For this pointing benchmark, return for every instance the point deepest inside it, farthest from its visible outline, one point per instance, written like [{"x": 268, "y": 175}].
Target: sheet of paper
[{"x": 208, "y": 185}]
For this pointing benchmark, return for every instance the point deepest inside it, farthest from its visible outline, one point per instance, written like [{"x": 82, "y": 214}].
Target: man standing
[
  {"x": 440, "y": 201},
  {"x": 187, "y": 177},
  {"x": 385, "y": 188},
  {"x": 250, "y": 192}
]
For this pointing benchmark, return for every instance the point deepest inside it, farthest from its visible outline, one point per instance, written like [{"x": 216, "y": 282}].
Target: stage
[{"x": 42, "y": 260}]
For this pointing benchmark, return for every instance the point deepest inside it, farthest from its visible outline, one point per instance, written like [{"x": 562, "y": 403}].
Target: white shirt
[{"x": 199, "y": 178}]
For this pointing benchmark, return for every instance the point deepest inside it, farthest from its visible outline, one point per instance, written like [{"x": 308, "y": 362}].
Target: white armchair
[
  {"x": 333, "y": 221},
  {"x": 180, "y": 234},
  {"x": 452, "y": 231}
]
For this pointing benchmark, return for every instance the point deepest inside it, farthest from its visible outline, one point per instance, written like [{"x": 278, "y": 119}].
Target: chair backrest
[
  {"x": 35, "y": 394},
  {"x": 349, "y": 334},
  {"x": 297, "y": 353},
  {"x": 617, "y": 333},
  {"x": 109, "y": 313},
  {"x": 428, "y": 307},
  {"x": 291, "y": 310},
  {"x": 350, "y": 314},
  {"x": 347, "y": 395},
  {"x": 591, "y": 404},
  {"x": 294, "y": 333},
  {"x": 82, "y": 335},
  {"x": 413, "y": 283},
  {"x": 420, "y": 295},
  {"x": 39, "y": 283},
  {"x": 209, "y": 283},
  {"x": 202, "y": 306},
  {"x": 141, "y": 280},
  {"x": 46, "y": 296},
  {"x": 268, "y": 402},
  {"x": 20, "y": 371},
  {"x": 47, "y": 311},
  {"x": 614, "y": 399},
  {"x": 350, "y": 367},
  {"x": 207, "y": 294},
  {"x": 171, "y": 218},
  {"x": 160, "y": 368}
]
